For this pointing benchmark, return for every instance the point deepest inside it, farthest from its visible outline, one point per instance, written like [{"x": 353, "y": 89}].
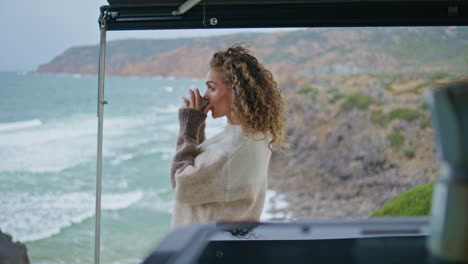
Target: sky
[{"x": 34, "y": 32}]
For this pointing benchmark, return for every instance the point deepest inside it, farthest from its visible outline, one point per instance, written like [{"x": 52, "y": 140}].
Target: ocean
[{"x": 48, "y": 145}]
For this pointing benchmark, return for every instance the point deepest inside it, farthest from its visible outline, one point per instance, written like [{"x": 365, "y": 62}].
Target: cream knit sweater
[{"x": 222, "y": 179}]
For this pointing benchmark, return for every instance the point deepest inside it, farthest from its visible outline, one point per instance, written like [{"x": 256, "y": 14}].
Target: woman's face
[{"x": 217, "y": 94}]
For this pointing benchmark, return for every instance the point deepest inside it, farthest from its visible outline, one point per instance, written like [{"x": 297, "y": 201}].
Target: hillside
[
  {"x": 308, "y": 53},
  {"x": 359, "y": 126},
  {"x": 357, "y": 141}
]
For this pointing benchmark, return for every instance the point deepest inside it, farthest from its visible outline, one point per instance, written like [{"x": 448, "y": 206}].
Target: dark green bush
[
  {"x": 396, "y": 139},
  {"x": 409, "y": 153},
  {"x": 414, "y": 202},
  {"x": 357, "y": 100},
  {"x": 388, "y": 86},
  {"x": 312, "y": 91},
  {"x": 426, "y": 122},
  {"x": 336, "y": 97},
  {"x": 379, "y": 118},
  {"x": 333, "y": 90},
  {"x": 307, "y": 90}
]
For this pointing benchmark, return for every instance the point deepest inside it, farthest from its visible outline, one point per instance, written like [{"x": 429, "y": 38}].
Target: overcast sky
[{"x": 34, "y": 32}]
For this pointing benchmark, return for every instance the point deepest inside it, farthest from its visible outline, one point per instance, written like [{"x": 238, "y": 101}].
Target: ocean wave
[
  {"x": 165, "y": 151},
  {"x": 64, "y": 143},
  {"x": 20, "y": 125},
  {"x": 159, "y": 201},
  {"x": 169, "y": 109},
  {"x": 122, "y": 158},
  {"x": 120, "y": 201},
  {"x": 30, "y": 217},
  {"x": 51, "y": 147}
]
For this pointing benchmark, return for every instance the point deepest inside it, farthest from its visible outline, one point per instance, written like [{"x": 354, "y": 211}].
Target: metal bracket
[
  {"x": 186, "y": 6},
  {"x": 107, "y": 15}
]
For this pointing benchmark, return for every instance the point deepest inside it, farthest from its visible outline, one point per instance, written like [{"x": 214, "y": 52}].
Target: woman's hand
[{"x": 195, "y": 101}]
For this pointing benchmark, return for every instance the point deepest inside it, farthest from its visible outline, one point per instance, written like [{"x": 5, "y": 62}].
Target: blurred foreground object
[
  {"x": 449, "y": 222},
  {"x": 12, "y": 253},
  {"x": 395, "y": 240}
]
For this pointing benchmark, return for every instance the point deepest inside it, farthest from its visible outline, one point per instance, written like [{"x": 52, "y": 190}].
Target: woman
[{"x": 225, "y": 177}]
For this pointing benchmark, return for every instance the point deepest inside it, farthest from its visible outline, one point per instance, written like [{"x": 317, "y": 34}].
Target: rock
[{"x": 12, "y": 253}]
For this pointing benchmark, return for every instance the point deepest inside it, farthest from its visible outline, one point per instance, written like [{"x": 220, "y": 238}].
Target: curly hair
[{"x": 256, "y": 99}]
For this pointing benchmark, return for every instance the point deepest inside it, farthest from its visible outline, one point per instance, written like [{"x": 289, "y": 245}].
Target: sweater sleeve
[
  {"x": 198, "y": 177},
  {"x": 191, "y": 134}
]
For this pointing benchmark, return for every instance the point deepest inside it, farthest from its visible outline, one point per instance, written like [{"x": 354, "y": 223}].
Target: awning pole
[{"x": 101, "y": 102}]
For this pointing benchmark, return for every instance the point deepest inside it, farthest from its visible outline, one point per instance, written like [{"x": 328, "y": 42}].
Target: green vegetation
[
  {"x": 333, "y": 90},
  {"x": 386, "y": 76},
  {"x": 388, "y": 86},
  {"x": 416, "y": 89},
  {"x": 426, "y": 122},
  {"x": 404, "y": 113},
  {"x": 312, "y": 91},
  {"x": 424, "y": 106},
  {"x": 357, "y": 100},
  {"x": 307, "y": 89},
  {"x": 396, "y": 139},
  {"x": 379, "y": 118},
  {"x": 336, "y": 97},
  {"x": 414, "y": 202},
  {"x": 409, "y": 153},
  {"x": 437, "y": 76},
  {"x": 386, "y": 79}
]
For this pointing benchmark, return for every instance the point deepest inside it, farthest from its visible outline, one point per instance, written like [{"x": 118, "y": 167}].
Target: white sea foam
[
  {"x": 173, "y": 128},
  {"x": 29, "y": 217},
  {"x": 50, "y": 147},
  {"x": 166, "y": 151},
  {"x": 61, "y": 144},
  {"x": 13, "y": 126},
  {"x": 163, "y": 150},
  {"x": 165, "y": 157},
  {"x": 157, "y": 201},
  {"x": 169, "y": 89},
  {"x": 169, "y": 109},
  {"x": 120, "y": 201},
  {"x": 274, "y": 207},
  {"x": 128, "y": 261},
  {"x": 122, "y": 158}
]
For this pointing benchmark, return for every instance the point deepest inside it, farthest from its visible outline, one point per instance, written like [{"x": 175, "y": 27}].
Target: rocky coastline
[{"x": 348, "y": 156}]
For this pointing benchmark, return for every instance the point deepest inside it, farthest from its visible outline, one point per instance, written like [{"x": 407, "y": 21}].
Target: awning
[{"x": 158, "y": 14}]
